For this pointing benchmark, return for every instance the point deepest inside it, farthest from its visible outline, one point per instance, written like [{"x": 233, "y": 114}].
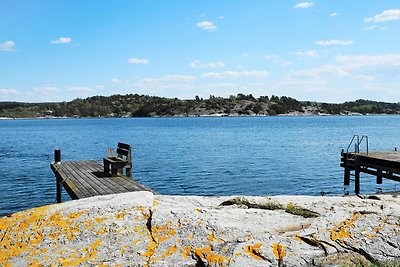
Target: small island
[{"x": 134, "y": 105}]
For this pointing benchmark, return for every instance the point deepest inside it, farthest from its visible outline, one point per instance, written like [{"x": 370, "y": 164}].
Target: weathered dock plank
[{"x": 86, "y": 178}]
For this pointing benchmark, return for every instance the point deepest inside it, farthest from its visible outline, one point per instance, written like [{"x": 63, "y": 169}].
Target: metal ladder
[
  {"x": 357, "y": 143},
  {"x": 351, "y": 159}
]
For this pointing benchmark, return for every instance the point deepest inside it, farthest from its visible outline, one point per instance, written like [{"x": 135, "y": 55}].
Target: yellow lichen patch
[
  {"x": 171, "y": 250},
  {"x": 279, "y": 251},
  {"x": 21, "y": 233},
  {"x": 290, "y": 205},
  {"x": 237, "y": 254},
  {"x": 158, "y": 235},
  {"x": 297, "y": 238},
  {"x": 254, "y": 251},
  {"x": 137, "y": 241},
  {"x": 123, "y": 250},
  {"x": 156, "y": 202},
  {"x": 378, "y": 229},
  {"x": 212, "y": 237},
  {"x": 211, "y": 257},
  {"x": 75, "y": 215},
  {"x": 96, "y": 244},
  {"x": 342, "y": 230},
  {"x": 120, "y": 214},
  {"x": 186, "y": 252},
  {"x": 99, "y": 220},
  {"x": 190, "y": 237},
  {"x": 198, "y": 210}
]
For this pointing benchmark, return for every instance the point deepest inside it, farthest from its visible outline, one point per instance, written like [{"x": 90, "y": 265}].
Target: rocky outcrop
[{"x": 142, "y": 229}]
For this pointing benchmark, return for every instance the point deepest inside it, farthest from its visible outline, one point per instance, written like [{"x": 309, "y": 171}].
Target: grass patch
[
  {"x": 296, "y": 210},
  {"x": 243, "y": 201},
  {"x": 290, "y": 208},
  {"x": 393, "y": 263}
]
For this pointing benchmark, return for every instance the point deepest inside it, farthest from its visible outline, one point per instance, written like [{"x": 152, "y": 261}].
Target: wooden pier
[
  {"x": 87, "y": 178},
  {"x": 380, "y": 164}
]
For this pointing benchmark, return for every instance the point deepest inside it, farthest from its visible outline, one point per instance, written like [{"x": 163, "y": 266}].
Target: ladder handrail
[
  {"x": 351, "y": 142},
  {"x": 358, "y": 142},
  {"x": 366, "y": 142}
]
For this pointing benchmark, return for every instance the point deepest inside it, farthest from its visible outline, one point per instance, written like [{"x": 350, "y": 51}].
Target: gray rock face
[{"x": 142, "y": 229}]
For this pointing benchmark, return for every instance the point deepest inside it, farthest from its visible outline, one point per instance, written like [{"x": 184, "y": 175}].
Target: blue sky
[{"x": 326, "y": 50}]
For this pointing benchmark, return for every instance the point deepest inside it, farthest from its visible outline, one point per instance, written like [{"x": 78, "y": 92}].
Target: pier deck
[
  {"x": 82, "y": 179},
  {"x": 380, "y": 164}
]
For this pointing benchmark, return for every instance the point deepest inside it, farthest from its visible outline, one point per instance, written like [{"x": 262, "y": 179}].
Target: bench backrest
[{"x": 124, "y": 150}]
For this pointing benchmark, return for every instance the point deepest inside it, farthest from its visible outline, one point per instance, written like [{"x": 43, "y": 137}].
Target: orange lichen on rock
[
  {"x": 279, "y": 251},
  {"x": 171, "y": 250},
  {"x": 120, "y": 214},
  {"x": 186, "y": 252},
  {"x": 211, "y": 257},
  {"x": 212, "y": 237},
  {"x": 21, "y": 233},
  {"x": 342, "y": 230},
  {"x": 254, "y": 251},
  {"x": 157, "y": 235},
  {"x": 297, "y": 238}
]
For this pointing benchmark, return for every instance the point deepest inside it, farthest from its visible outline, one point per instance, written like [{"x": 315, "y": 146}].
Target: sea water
[{"x": 194, "y": 156}]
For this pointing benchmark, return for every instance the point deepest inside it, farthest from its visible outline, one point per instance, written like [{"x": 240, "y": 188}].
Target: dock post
[
  {"x": 57, "y": 158},
  {"x": 357, "y": 176},
  {"x": 346, "y": 181},
  {"x": 379, "y": 177}
]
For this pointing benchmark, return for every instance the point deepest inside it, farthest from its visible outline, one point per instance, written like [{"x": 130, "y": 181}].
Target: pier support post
[
  {"x": 57, "y": 158},
  {"x": 346, "y": 181},
  {"x": 357, "y": 182},
  {"x": 357, "y": 176},
  {"x": 379, "y": 177}
]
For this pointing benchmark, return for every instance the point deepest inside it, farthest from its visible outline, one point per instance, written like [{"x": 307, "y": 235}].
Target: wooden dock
[
  {"x": 380, "y": 164},
  {"x": 86, "y": 178}
]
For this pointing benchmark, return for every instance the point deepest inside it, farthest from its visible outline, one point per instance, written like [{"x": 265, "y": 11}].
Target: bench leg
[
  {"x": 114, "y": 171},
  {"x": 129, "y": 171},
  {"x": 106, "y": 166}
]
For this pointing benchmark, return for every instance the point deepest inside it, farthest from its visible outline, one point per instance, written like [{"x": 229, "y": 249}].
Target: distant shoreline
[{"x": 199, "y": 116}]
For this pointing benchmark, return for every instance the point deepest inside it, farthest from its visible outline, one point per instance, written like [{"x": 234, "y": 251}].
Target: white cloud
[
  {"x": 198, "y": 64},
  {"x": 387, "y": 15},
  {"x": 316, "y": 72},
  {"x": 334, "y": 42},
  {"x": 138, "y": 61},
  {"x": 361, "y": 67},
  {"x": 45, "y": 90},
  {"x": 79, "y": 89},
  {"x": 363, "y": 61},
  {"x": 62, "y": 40},
  {"x": 373, "y": 27},
  {"x": 278, "y": 60},
  {"x": 221, "y": 17},
  {"x": 236, "y": 74},
  {"x": 333, "y": 15},
  {"x": 7, "y": 46},
  {"x": 370, "y": 28},
  {"x": 177, "y": 78},
  {"x": 8, "y": 92},
  {"x": 100, "y": 86},
  {"x": 304, "y": 5},
  {"x": 118, "y": 81},
  {"x": 308, "y": 53},
  {"x": 207, "y": 25}
]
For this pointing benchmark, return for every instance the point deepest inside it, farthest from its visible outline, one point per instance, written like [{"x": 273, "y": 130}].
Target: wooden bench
[{"x": 114, "y": 165}]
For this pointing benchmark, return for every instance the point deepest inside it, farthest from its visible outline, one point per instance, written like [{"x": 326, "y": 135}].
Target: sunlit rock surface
[{"x": 142, "y": 229}]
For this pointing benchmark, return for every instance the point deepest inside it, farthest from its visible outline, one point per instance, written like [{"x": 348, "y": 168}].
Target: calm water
[{"x": 201, "y": 156}]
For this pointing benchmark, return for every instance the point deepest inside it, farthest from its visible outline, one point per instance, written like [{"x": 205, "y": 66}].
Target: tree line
[{"x": 135, "y": 105}]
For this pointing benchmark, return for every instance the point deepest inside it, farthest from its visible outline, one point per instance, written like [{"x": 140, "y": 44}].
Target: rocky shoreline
[{"x": 142, "y": 229}]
